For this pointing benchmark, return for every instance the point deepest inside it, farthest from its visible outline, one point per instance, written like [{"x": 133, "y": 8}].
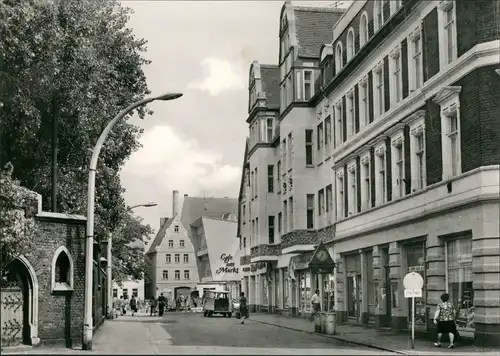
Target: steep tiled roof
[
  {"x": 314, "y": 28},
  {"x": 270, "y": 75},
  {"x": 160, "y": 235},
  {"x": 195, "y": 207}
]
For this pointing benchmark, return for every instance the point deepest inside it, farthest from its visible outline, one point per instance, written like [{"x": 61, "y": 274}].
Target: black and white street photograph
[{"x": 250, "y": 177}]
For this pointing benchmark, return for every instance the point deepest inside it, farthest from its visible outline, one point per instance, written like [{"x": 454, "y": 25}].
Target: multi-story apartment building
[
  {"x": 172, "y": 257},
  {"x": 395, "y": 165}
]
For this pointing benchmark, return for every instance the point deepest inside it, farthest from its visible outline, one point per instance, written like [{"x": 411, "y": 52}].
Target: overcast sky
[{"x": 203, "y": 49}]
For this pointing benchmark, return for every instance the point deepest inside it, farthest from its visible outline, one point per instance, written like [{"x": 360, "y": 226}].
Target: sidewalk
[{"x": 379, "y": 339}]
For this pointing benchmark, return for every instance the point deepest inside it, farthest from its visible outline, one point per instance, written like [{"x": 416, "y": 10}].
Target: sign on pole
[{"x": 413, "y": 283}]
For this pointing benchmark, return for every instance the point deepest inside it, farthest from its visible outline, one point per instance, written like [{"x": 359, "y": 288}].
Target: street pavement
[{"x": 186, "y": 333}]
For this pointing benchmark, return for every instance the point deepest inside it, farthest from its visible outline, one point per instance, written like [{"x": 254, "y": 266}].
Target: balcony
[
  {"x": 476, "y": 185},
  {"x": 265, "y": 253}
]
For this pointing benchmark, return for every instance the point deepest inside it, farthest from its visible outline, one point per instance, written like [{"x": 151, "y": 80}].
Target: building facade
[
  {"x": 387, "y": 152},
  {"x": 129, "y": 288},
  {"x": 172, "y": 258}
]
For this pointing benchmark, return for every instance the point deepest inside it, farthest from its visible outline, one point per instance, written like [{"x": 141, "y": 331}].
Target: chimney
[
  {"x": 185, "y": 195},
  {"x": 162, "y": 221},
  {"x": 175, "y": 203}
]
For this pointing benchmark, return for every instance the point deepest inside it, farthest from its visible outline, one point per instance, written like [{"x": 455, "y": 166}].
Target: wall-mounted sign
[{"x": 228, "y": 267}]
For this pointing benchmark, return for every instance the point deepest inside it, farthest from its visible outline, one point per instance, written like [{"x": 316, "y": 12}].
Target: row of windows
[
  {"x": 177, "y": 274},
  {"x": 182, "y": 243},
  {"x": 262, "y": 131},
  {"x": 177, "y": 258},
  {"x": 135, "y": 293}
]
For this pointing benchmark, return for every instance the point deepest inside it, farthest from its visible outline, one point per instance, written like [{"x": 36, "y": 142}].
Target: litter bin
[
  {"x": 317, "y": 323},
  {"x": 323, "y": 323},
  {"x": 330, "y": 323}
]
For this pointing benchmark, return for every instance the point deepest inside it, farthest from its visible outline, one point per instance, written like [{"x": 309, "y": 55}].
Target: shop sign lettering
[{"x": 228, "y": 265}]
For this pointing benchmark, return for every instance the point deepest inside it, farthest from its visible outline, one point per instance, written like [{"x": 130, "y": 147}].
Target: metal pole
[
  {"x": 89, "y": 260},
  {"x": 413, "y": 323},
  {"x": 109, "y": 276}
]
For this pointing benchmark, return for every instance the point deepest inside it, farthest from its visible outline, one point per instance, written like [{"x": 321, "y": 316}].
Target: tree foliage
[
  {"x": 129, "y": 260},
  {"x": 17, "y": 223},
  {"x": 75, "y": 62}
]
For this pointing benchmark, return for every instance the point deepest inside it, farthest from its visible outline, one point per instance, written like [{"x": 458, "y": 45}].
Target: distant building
[
  {"x": 129, "y": 289},
  {"x": 172, "y": 257},
  {"x": 217, "y": 251}
]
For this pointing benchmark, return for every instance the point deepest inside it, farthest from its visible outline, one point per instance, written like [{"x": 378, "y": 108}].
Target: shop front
[{"x": 312, "y": 271}]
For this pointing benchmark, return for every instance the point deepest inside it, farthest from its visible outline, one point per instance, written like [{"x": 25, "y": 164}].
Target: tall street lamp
[
  {"x": 87, "y": 319},
  {"x": 109, "y": 256}
]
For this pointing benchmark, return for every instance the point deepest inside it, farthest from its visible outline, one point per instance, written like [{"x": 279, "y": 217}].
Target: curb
[{"x": 335, "y": 337}]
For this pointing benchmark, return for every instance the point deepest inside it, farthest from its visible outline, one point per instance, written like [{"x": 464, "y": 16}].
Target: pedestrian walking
[
  {"x": 444, "y": 319},
  {"x": 122, "y": 304},
  {"x": 133, "y": 305},
  {"x": 152, "y": 306},
  {"x": 316, "y": 302},
  {"x": 243, "y": 308},
  {"x": 161, "y": 304}
]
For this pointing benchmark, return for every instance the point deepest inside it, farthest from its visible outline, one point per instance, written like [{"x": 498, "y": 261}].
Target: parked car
[{"x": 217, "y": 303}]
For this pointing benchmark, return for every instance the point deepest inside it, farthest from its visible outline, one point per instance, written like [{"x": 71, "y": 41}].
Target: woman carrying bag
[{"x": 444, "y": 319}]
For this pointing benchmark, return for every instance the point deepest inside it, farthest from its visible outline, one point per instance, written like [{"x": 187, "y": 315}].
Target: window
[
  {"x": 177, "y": 274},
  {"x": 289, "y": 88},
  {"x": 448, "y": 99},
  {"x": 252, "y": 186},
  {"x": 364, "y": 109},
  {"x": 415, "y": 66},
  {"x": 321, "y": 202},
  {"x": 278, "y": 175},
  {"x": 363, "y": 30},
  {"x": 125, "y": 293},
  {"x": 351, "y": 128},
  {"x": 417, "y": 150},
  {"x": 339, "y": 127},
  {"x": 399, "y": 168},
  {"x": 285, "y": 216},
  {"x": 310, "y": 211},
  {"x": 244, "y": 214},
  {"x": 339, "y": 60},
  {"x": 176, "y": 228},
  {"x": 252, "y": 235},
  {"x": 459, "y": 280},
  {"x": 420, "y": 153},
  {"x": 340, "y": 195},
  {"x": 350, "y": 44},
  {"x": 270, "y": 178},
  {"x": 135, "y": 292},
  {"x": 257, "y": 231},
  {"x": 63, "y": 269},
  {"x": 170, "y": 243},
  {"x": 308, "y": 84},
  {"x": 244, "y": 242},
  {"x": 290, "y": 212},
  {"x": 284, "y": 152},
  {"x": 186, "y": 274},
  {"x": 397, "y": 78},
  {"x": 328, "y": 134},
  {"x": 280, "y": 222},
  {"x": 115, "y": 293},
  {"x": 165, "y": 274},
  {"x": 320, "y": 137},
  {"x": 186, "y": 258},
  {"x": 380, "y": 180},
  {"x": 353, "y": 193},
  {"x": 289, "y": 163},
  {"x": 325, "y": 73},
  {"x": 378, "y": 17},
  {"x": 366, "y": 184},
  {"x": 271, "y": 228},
  {"x": 329, "y": 198},
  {"x": 181, "y": 243},
  {"x": 379, "y": 90},
  {"x": 309, "y": 148},
  {"x": 168, "y": 258},
  {"x": 269, "y": 129},
  {"x": 256, "y": 182},
  {"x": 177, "y": 258},
  {"x": 448, "y": 47}
]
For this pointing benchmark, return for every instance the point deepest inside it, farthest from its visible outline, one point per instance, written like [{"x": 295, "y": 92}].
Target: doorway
[{"x": 354, "y": 297}]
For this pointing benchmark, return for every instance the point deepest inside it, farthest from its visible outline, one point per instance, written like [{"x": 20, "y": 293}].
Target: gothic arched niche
[{"x": 62, "y": 270}]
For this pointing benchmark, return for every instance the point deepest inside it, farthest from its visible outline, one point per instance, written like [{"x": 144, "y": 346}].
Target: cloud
[
  {"x": 218, "y": 75},
  {"x": 167, "y": 161}
]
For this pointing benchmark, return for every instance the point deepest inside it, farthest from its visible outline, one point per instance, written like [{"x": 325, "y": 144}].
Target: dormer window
[
  {"x": 176, "y": 228},
  {"x": 338, "y": 57},
  {"x": 308, "y": 84},
  {"x": 350, "y": 44},
  {"x": 363, "y": 30}
]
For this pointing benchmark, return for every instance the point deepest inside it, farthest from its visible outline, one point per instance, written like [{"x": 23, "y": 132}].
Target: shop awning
[
  {"x": 284, "y": 260},
  {"x": 319, "y": 260}
]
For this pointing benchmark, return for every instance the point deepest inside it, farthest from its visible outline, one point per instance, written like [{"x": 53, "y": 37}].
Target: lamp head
[
  {"x": 150, "y": 204},
  {"x": 168, "y": 96}
]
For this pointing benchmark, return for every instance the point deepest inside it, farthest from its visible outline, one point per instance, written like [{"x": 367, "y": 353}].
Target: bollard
[
  {"x": 323, "y": 323},
  {"x": 317, "y": 323},
  {"x": 330, "y": 323}
]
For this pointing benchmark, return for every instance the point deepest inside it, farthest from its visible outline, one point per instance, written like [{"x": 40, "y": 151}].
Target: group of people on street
[
  {"x": 121, "y": 305},
  {"x": 160, "y": 303}
]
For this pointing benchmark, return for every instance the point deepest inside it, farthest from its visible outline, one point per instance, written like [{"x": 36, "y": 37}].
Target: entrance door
[
  {"x": 388, "y": 294},
  {"x": 354, "y": 297},
  {"x": 12, "y": 302}
]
